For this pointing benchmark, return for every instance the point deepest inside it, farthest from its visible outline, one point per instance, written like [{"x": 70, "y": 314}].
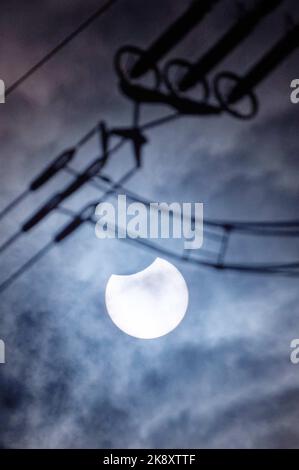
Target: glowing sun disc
[{"x": 150, "y": 303}]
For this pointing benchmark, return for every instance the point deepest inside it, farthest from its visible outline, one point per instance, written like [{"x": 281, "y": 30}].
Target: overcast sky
[{"x": 223, "y": 378}]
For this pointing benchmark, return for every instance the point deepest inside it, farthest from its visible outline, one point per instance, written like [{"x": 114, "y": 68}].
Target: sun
[{"x": 148, "y": 304}]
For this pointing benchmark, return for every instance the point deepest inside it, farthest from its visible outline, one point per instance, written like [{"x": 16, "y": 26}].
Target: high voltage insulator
[
  {"x": 172, "y": 36},
  {"x": 59, "y": 163},
  {"x": 232, "y": 39},
  {"x": 260, "y": 71},
  {"x": 91, "y": 171}
]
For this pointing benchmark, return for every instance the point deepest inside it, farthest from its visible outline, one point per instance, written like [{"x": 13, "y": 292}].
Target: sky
[{"x": 223, "y": 378}]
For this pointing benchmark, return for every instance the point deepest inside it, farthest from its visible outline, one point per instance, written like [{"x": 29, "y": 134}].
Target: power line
[
  {"x": 213, "y": 229},
  {"x": 274, "y": 228},
  {"x": 25, "y": 267},
  {"x": 94, "y": 169},
  {"x": 14, "y": 203},
  {"x": 50, "y": 171},
  {"x": 81, "y": 178},
  {"x": 69, "y": 38},
  {"x": 285, "y": 269},
  {"x": 59, "y": 237},
  {"x": 61, "y": 162}
]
